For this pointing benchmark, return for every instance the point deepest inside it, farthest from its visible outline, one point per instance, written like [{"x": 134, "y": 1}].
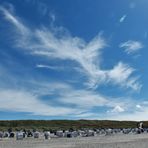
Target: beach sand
[{"x": 114, "y": 141}]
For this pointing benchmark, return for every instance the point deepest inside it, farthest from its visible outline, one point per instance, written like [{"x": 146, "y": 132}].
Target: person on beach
[{"x": 140, "y": 127}]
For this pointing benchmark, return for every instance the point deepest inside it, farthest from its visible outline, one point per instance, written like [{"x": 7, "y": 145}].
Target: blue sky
[{"x": 73, "y": 59}]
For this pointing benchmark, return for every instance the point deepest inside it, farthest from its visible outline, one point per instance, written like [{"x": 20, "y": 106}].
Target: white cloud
[
  {"x": 138, "y": 106},
  {"x": 22, "y": 101},
  {"x": 121, "y": 74},
  {"x": 61, "y": 46},
  {"x": 134, "y": 116},
  {"x": 86, "y": 115},
  {"x": 58, "y": 45},
  {"x": 28, "y": 101},
  {"x": 83, "y": 98},
  {"x": 117, "y": 109},
  {"x": 122, "y": 19},
  {"x": 14, "y": 20},
  {"x": 131, "y": 46},
  {"x": 59, "y": 96},
  {"x": 82, "y": 102},
  {"x": 49, "y": 67},
  {"x": 86, "y": 99},
  {"x": 133, "y": 111}
]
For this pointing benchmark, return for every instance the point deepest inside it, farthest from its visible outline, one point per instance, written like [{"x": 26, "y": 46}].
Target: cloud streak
[
  {"x": 131, "y": 46},
  {"x": 49, "y": 67},
  {"x": 121, "y": 73},
  {"x": 22, "y": 101},
  {"x": 122, "y": 19},
  {"x": 8, "y": 16},
  {"x": 58, "y": 45}
]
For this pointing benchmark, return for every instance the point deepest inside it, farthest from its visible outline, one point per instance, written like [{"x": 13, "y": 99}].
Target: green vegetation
[{"x": 66, "y": 124}]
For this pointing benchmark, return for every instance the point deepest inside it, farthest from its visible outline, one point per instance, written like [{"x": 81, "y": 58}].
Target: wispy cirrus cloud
[
  {"x": 122, "y": 19},
  {"x": 121, "y": 73},
  {"x": 131, "y": 46},
  {"x": 22, "y": 101},
  {"x": 68, "y": 101},
  {"x": 84, "y": 98},
  {"x": 29, "y": 92},
  {"x": 50, "y": 67},
  {"x": 58, "y": 45},
  {"x": 21, "y": 28}
]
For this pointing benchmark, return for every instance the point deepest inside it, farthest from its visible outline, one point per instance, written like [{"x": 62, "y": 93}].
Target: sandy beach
[{"x": 114, "y": 141}]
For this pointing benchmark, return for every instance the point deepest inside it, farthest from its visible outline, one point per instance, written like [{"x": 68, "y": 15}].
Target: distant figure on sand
[{"x": 140, "y": 127}]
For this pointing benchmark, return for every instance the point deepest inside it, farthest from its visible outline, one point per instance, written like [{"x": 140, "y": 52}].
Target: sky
[{"x": 73, "y": 59}]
